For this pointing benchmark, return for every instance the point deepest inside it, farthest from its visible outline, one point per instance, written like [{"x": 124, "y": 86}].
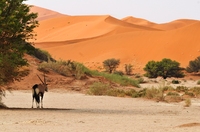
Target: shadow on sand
[
  {"x": 36, "y": 109},
  {"x": 70, "y": 110}
]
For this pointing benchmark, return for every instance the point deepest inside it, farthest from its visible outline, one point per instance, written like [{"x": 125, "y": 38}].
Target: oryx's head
[{"x": 44, "y": 83}]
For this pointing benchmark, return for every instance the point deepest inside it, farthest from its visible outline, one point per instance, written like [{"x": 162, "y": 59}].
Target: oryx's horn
[
  {"x": 40, "y": 79},
  {"x": 45, "y": 79}
]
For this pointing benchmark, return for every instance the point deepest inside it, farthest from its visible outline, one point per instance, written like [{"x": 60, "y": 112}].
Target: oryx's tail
[{"x": 35, "y": 92}]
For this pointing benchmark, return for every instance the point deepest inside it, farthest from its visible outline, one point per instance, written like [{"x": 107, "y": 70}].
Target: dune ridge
[{"x": 92, "y": 39}]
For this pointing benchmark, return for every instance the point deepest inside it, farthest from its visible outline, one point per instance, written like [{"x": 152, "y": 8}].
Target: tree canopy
[
  {"x": 16, "y": 27},
  {"x": 194, "y": 65},
  {"x": 111, "y": 64},
  {"x": 165, "y": 68}
]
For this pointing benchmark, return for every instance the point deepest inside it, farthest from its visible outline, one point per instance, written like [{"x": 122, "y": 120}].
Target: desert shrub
[
  {"x": 111, "y": 64},
  {"x": 131, "y": 92},
  {"x": 138, "y": 75},
  {"x": 173, "y": 98},
  {"x": 122, "y": 80},
  {"x": 118, "y": 73},
  {"x": 198, "y": 82},
  {"x": 38, "y": 53},
  {"x": 155, "y": 93},
  {"x": 194, "y": 65},
  {"x": 165, "y": 68},
  {"x": 141, "y": 80},
  {"x": 128, "y": 69},
  {"x": 196, "y": 91},
  {"x": 175, "y": 82},
  {"x": 168, "y": 88},
  {"x": 141, "y": 93},
  {"x": 181, "y": 89},
  {"x": 65, "y": 68},
  {"x": 172, "y": 94},
  {"x": 188, "y": 103},
  {"x": 116, "y": 92},
  {"x": 189, "y": 93},
  {"x": 98, "y": 88}
]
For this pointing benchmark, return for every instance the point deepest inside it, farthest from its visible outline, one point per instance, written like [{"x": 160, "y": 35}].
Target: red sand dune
[{"x": 92, "y": 39}]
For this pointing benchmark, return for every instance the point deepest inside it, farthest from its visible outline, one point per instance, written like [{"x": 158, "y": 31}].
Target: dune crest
[{"x": 44, "y": 14}]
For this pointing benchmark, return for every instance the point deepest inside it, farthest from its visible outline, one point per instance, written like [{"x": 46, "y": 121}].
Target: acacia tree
[
  {"x": 16, "y": 27},
  {"x": 111, "y": 64},
  {"x": 194, "y": 65},
  {"x": 165, "y": 68}
]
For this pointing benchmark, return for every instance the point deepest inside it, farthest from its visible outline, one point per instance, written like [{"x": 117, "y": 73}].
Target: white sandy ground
[{"x": 73, "y": 112}]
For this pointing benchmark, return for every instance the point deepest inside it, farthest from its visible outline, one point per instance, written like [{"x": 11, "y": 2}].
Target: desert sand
[{"x": 66, "y": 111}]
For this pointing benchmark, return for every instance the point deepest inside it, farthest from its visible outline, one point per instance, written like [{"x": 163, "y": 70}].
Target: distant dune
[{"x": 92, "y": 39}]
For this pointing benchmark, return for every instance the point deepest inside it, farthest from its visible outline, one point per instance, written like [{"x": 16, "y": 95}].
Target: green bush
[
  {"x": 165, "y": 68},
  {"x": 194, "y": 65},
  {"x": 175, "y": 82},
  {"x": 38, "y": 53}
]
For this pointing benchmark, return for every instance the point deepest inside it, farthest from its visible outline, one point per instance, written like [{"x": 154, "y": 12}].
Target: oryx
[{"x": 38, "y": 91}]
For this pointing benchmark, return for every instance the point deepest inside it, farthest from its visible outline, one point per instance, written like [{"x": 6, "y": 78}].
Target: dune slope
[{"x": 92, "y": 39}]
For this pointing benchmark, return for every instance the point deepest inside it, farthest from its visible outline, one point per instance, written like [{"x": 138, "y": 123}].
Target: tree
[
  {"x": 194, "y": 66},
  {"x": 111, "y": 64},
  {"x": 165, "y": 68},
  {"x": 16, "y": 27},
  {"x": 128, "y": 69}
]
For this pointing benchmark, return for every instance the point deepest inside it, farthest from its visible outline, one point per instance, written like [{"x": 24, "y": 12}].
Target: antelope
[{"x": 38, "y": 92}]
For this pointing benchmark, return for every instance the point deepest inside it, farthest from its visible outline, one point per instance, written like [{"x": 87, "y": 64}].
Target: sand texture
[{"x": 66, "y": 111}]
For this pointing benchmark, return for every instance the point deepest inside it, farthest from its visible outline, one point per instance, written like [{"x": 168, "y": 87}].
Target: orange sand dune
[
  {"x": 44, "y": 14},
  {"x": 138, "y": 21},
  {"x": 92, "y": 39},
  {"x": 174, "y": 24},
  {"x": 81, "y": 27}
]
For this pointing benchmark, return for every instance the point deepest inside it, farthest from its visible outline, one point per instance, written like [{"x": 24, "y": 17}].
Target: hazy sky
[{"x": 158, "y": 11}]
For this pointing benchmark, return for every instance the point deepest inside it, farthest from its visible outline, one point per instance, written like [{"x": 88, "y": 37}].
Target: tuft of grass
[
  {"x": 181, "y": 89},
  {"x": 98, "y": 88},
  {"x": 172, "y": 94},
  {"x": 198, "y": 82},
  {"x": 122, "y": 80},
  {"x": 65, "y": 68},
  {"x": 155, "y": 93},
  {"x": 188, "y": 103},
  {"x": 196, "y": 91}
]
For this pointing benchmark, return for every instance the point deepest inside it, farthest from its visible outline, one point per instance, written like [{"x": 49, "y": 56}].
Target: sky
[{"x": 158, "y": 11}]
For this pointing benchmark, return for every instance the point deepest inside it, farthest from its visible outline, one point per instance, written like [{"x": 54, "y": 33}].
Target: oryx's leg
[
  {"x": 32, "y": 101},
  {"x": 42, "y": 94}
]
